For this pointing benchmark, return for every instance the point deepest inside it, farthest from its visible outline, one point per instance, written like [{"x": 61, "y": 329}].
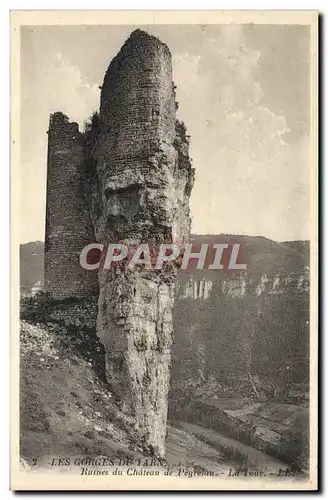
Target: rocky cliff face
[
  {"x": 143, "y": 188},
  {"x": 229, "y": 326},
  {"x": 240, "y": 286},
  {"x": 228, "y": 330},
  {"x": 127, "y": 178}
]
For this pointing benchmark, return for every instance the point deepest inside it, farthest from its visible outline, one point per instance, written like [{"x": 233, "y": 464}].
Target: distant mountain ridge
[{"x": 261, "y": 255}]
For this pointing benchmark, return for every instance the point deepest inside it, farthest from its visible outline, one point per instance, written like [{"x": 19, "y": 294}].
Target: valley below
[{"x": 239, "y": 396}]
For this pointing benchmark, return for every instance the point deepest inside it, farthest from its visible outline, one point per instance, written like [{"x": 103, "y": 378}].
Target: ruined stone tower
[
  {"x": 145, "y": 180},
  {"x": 137, "y": 187},
  {"x": 68, "y": 224}
]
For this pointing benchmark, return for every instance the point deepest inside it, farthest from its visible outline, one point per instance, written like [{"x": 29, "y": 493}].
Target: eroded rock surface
[
  {"x": 144, "y": 180},
  {"x": 126, "y": 179}
]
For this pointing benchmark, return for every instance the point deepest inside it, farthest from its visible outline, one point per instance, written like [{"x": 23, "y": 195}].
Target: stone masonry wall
[
  {"x": 136, "y": 155},
  {"x": 68, "y": 224},
  {"x": 132, "y": 185}
]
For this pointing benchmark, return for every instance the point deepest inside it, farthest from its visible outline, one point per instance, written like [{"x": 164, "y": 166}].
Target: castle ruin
[
  {"x": 68, "y": 222},
  {"x": 127, "y": 178}
]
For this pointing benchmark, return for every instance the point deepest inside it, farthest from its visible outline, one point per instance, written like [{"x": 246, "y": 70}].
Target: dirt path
[{"x": 254, "y": 458}]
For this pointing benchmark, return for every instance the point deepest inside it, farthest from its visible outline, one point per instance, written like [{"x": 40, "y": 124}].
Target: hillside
[
  {"x": 240, "y": 341},
  {"x": 68, "y": 410}
]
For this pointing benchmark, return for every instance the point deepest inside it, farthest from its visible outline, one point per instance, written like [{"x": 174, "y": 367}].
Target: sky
[{"x": 243, "y": 93}]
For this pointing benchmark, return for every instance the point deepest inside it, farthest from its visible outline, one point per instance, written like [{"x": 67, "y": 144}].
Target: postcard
[{"x": 164, "y": 274}]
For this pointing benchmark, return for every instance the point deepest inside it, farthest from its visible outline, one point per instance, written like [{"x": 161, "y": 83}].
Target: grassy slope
[
  {"x": 68, "y": 411},
  {"x": 65, "y": 408}
]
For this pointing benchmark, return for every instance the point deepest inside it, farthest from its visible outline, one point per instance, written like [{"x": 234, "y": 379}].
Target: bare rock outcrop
[
  {"x": 144, "y": 178},
  {"x": 127, "y": 178}
]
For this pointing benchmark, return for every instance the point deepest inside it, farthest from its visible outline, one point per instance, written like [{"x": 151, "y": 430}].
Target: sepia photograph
[{"x": 164, "y": 250}]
